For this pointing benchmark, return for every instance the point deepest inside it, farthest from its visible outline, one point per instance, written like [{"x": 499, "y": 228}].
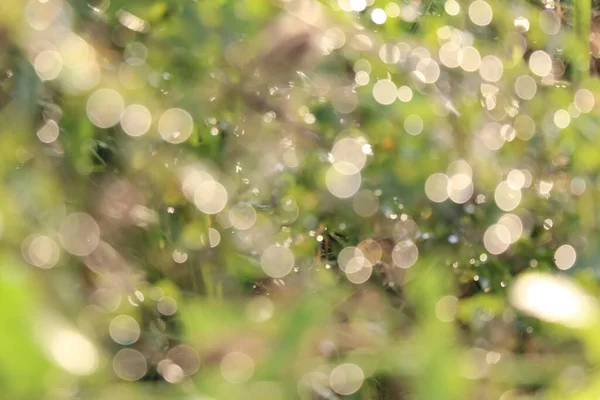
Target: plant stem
[{"x": 582, "y": 20}]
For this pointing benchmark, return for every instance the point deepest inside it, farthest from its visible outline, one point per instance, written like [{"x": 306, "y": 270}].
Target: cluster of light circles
[
  {"x": 186, "y": 357},
  {"x": 456, "y": 184},
  {"x": 499, "y": 236},
  {"x": 424, "y": 69},
  {"x": 583, "y": 102},
  {"x": 407, "y": 12},
  {"x": 106, "y": 108},
  {"x": 55, "y": 51},
  {"x": 494, "y": 135},
  {"x": 349, "y": 156},
  {"x": 40, "y": 251},
  {"x": 355, "y": 264},
  {"x": 181, "y": 361},
  {"x": 200, "y": 187},
  {"x": 457, "y": 51},
  {"x": 386, "y": 92},
  {"x": 344, "y": 379}
]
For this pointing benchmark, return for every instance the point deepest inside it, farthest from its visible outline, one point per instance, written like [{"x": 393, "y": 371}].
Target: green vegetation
[{"x": 281, "y": 199}]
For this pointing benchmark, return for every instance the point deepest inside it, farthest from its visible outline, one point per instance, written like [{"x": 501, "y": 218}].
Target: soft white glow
[{"x": 554, "y": 299}]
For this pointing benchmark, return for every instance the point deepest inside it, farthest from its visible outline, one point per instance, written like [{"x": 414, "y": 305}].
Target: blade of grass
[{"x": 582, "y": 21}]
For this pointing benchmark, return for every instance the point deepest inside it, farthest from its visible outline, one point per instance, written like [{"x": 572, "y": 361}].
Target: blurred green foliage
[{"x": 269, "y": 199}]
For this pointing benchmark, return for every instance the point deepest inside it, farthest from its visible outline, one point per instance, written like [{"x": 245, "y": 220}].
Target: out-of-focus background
[{"x": 294, "y": 199}]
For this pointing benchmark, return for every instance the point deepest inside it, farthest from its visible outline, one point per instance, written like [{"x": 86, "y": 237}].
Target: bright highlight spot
[
  {"x": 565, "y": 257},
  {"x": 277, "y": 261},
  {"x": 48, "y": 65},
  {"x": 554, "y": 299},
  {"x": 346, "y": 379},
  {"x": 79, "y": 234},
  {"x": 405, "y": 254},
  {"x": 480, "y": 13},
  {"x": 385, "y": 92},
  {"x": 136, "y": 120},
  {"x": 130, "y": 364},
  {"x": 105, "y": 107},
  {"x": 175, "y": 125},
  {"x": 378, "y": 16}
]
